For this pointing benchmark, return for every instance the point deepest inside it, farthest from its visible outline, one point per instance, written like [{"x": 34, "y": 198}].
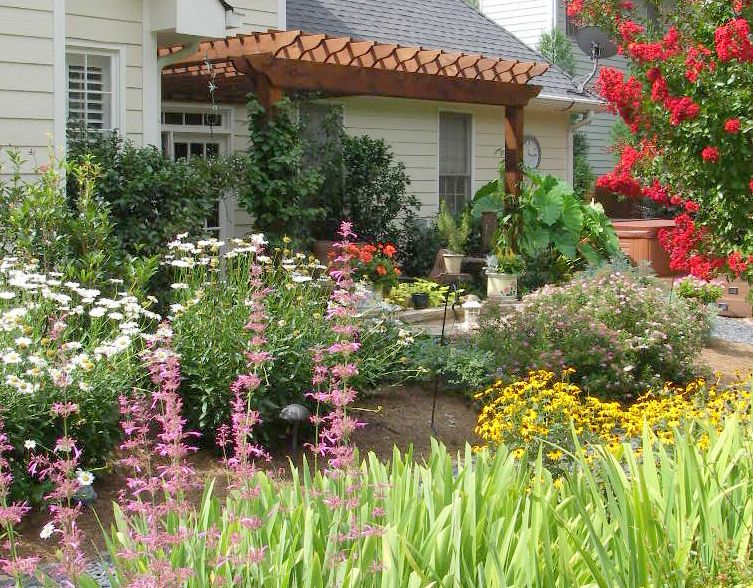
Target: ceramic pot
[
  {"x": 453, "y": 262},
  {"x": 502, "y": 285}
]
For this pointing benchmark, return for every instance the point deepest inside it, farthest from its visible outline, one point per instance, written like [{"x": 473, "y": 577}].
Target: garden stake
[{"x": 453, "y": 290}]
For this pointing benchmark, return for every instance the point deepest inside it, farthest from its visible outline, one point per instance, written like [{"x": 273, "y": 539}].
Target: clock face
[{"x": 531, "y": 152}]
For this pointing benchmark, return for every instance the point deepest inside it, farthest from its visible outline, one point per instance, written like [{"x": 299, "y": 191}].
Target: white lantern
[{"x": 472, "y": 309}]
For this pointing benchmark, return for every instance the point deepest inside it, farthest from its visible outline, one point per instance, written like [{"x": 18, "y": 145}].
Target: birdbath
[{"x": 295, "y": 415}]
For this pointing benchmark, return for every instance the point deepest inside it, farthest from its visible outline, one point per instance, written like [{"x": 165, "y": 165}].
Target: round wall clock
[{"x": 531, "y": 152}]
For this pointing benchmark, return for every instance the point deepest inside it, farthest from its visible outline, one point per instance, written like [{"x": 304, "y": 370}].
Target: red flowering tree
[{"x": 689, "y": 105}]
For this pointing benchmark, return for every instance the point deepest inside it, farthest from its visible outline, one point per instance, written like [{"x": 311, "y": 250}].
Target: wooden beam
[
  {"x": 514, "y": 131},
  {"x": 356, "y": 81}
]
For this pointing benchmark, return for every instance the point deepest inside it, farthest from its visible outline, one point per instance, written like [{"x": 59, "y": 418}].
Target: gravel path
[{"x": 735, "y": 330}]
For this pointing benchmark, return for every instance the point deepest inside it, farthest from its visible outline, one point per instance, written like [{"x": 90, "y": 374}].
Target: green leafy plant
[
  {"x": 150, "y": 197},
  {"x": 645, "y": 516},
  {"x": 401, "y": 294},
  {"x": 278, "y": 189},
  {"x": 209, "y": 314},
  {"x": 505, "y": 263},
  {"x": 693, "y": 288},
  {"x": 454, "y": 232},
  {"x": 558, "y": 49}
]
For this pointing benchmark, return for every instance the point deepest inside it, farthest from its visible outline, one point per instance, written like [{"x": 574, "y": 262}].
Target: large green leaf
[
  {"x": 549, "y": 204},
  {"x": 572, "y": 215},
  {"x": 493, "y": 202},
  {"x": 565, "y": 243}
]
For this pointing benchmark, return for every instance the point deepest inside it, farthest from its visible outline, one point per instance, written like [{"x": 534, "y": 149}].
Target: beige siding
[
  {"x": 118, "y": 25},
  {"x": 411, "y": 129},
  {"x": 27, "y": 79},
  {"x": 260, "y": 15},
  {"x": 550, "y": 128},
  {"x": 526, "y": 19}
]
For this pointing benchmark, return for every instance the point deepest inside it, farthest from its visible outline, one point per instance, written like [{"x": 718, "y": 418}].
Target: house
[
  {"x": 528, "y": 21},
  {"x": 446, "y": 87}
]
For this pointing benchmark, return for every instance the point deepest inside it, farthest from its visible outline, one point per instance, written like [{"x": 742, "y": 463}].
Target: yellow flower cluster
[{"x": 540, "y": 409}]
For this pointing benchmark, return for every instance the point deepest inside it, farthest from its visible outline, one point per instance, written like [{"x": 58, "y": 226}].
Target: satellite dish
[{"x": 597, "y": 45}]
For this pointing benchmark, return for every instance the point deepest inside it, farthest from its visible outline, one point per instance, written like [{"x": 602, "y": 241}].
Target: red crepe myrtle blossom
[
  {"x": 732, "y": 41},
  {"x": 710, "y": 154},
  {"x": 732, "y": 126},
  {"x": 697, "y": 61}
]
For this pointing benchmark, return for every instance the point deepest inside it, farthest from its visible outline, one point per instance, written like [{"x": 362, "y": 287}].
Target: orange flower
[
  {"x": 397, "y": 271},
  {"x": 366, "y": 257},
  {"x": 389, "y": 250},
  {"x": 381, "y": 270}
]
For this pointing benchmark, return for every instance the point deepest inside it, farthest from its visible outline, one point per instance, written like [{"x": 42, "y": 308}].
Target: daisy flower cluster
[{"x": 62, "y": 341}]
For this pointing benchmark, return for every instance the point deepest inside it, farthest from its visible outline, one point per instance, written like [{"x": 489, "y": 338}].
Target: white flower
[
  {"x": 289, "y": 266},
  {"x": 179, "y": 286},
  {"x": 264, "y": 259},
  {"x": 183, "y": 263},
  {"x": 628, "y": 368},
  {"x": 30, "y": 444},
  {"x": 84, "y": 478},
  {"x": 301, "y": 279},
  {"x": 176, "y": 308},
  {"x": 71, "y": 346},
  {"x": 23, "y": 342},
  {"x": 116, "y": 316},
  {"x": 84, "y": 386},
  {"x": 11, "y": 357},
  {"x": 47, "y": 531},
  {"x": 7, "y": 295},
  {"x": 97, "y": 312},
  {"x": 258, "y": 239}
]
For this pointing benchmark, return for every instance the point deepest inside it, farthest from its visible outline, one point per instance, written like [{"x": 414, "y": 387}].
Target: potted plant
[
  {"x": 455, "y": 233},
  {"x": 376, "y": 263},
  {"x": 502, "y": 271}
]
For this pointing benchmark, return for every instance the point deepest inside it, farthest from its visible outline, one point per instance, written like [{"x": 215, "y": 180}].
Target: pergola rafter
[{"x": 276, "y": 61}]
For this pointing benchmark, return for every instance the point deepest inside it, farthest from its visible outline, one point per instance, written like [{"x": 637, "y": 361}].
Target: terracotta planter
[
  {"x": 502, "y": 285},
  {"x": 453, "y": 263}
]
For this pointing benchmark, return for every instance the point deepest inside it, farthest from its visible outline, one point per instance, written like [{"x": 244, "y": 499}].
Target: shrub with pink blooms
[
  {"x": 621, "y": 333},
  {"x": 228, "y": 298}
]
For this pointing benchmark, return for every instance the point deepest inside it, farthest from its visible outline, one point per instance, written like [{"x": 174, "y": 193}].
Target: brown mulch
[{"x": 731, "y": 360}]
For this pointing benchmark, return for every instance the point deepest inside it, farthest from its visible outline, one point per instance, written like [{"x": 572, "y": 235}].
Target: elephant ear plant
[{"x": 548, "y": 216}]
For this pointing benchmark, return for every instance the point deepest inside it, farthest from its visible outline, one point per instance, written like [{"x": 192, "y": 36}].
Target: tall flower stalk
[
  {"x": 242, "y": 464},
  {"x": 160, "y": 474},
  {"x": 11, "y": 514},
  {"x": 334, "y": 366}
]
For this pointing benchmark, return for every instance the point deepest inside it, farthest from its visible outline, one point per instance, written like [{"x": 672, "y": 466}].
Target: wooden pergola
[{"x": 274, "y": 62}]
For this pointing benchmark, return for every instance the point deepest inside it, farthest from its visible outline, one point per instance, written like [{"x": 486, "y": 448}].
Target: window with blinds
[
  {"x": 455, "y": 142},
  {"x": 90, "y": 90}
]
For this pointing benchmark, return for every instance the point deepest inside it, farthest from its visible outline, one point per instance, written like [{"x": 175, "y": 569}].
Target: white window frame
[
  {"x": 221, "y": 134},
  {"x": 116, "y": 54},
  {"x": 471, "y": 150}
]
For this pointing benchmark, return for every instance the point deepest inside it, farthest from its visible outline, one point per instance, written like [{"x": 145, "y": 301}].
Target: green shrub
[
  {"x": 152, "y": 198},
  {"x": 210, "y": 314},
  {"x": 462, "y": 366},
  {"x": 417, "y": 246},
  {"x": 74, "y": 234},
  {"x": 454, "y": 231},
  {"x": 621, "y": 334}
]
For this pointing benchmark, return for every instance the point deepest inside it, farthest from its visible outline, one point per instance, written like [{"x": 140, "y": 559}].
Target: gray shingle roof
[{"x": 435, "y": 24}]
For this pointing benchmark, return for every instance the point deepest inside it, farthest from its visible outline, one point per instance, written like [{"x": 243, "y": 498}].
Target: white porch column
[
  {"x": 152, "y": 83},
  {"x": 60, "y": 79}
]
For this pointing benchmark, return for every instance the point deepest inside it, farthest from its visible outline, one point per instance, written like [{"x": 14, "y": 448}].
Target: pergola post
[
  {"x": 268, "y": 93},
  {"x": 513, "y": 149}
]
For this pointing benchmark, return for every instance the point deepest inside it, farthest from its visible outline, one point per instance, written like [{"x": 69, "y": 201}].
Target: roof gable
[{"x": 451, "y": 25}]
